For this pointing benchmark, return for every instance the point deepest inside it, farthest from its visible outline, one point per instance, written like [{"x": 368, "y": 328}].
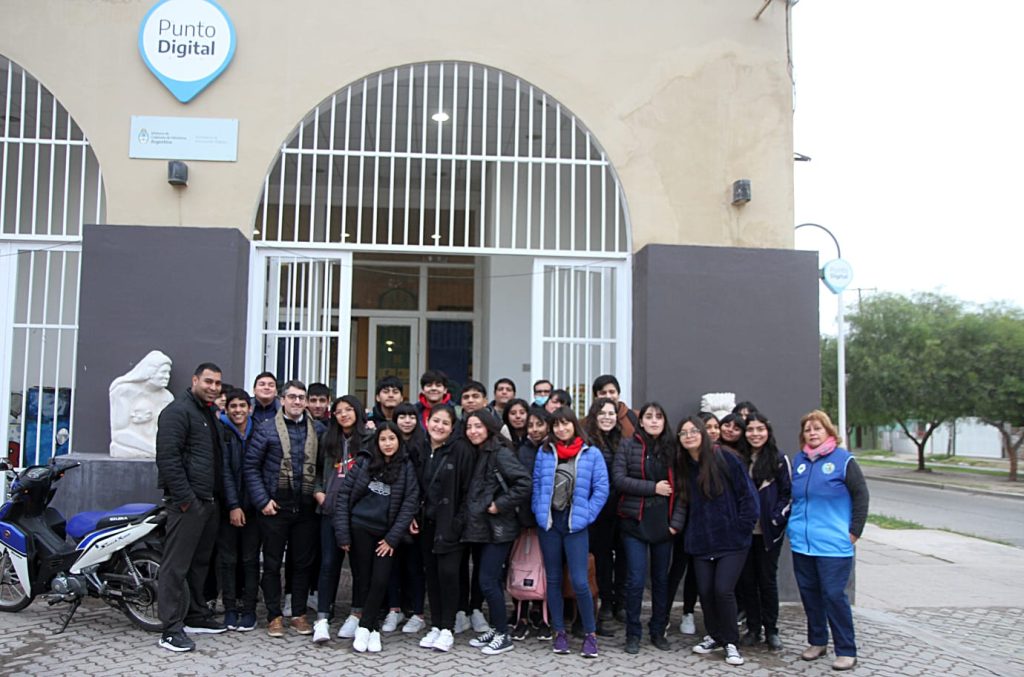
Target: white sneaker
[
  {"x": 348, "y": 628},
  {"x": 732, "y": 655},
  {"x": 391, "y": 621},
  {"x": 687, "y": 626},
  {"x": 428, "y": 640},
  {"x": 286, "y": 608},
  {"x": 479, "y": 622},
  {"x": 311, "y": 601},
  {"x": 461, "y": 623},
  {"x": 414, "y": 624},
  {"x": 374, "y": 644},
  {"x": 444, "y": 641},
  {"x": 321, "y": 631},
  {"x": 362, "y": 640}
]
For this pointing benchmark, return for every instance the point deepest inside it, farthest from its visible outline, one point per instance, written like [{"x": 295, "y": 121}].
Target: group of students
[{"x": 427, "y": 500}]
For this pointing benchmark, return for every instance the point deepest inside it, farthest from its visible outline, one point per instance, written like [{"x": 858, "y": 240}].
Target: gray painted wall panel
[
  {"x": 717, "y": 319},
  {"x": 180, "y": 290}
]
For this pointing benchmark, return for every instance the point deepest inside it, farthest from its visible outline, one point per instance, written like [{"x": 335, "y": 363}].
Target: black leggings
[
  {"x": 716, "y": 582},
  {"x": 760, "y": 586},
  {"x": 682, "y": 571},
  {"x": 442, "y": 579},
  {"x": 374, "y": 572}
]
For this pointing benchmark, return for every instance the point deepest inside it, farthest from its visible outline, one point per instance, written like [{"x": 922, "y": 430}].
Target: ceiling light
[{"x": 439, "y": 116}]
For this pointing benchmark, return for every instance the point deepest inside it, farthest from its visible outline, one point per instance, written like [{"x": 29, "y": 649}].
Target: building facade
[{"x": 496, "y": 190}]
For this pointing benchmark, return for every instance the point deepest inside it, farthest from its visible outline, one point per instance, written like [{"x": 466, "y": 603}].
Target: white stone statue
[
  {"x": 718, "y": 404},
  {"x": 136, "y": 400}
]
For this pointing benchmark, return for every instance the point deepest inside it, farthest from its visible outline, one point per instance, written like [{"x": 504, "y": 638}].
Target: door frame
[{"x": 417, "y": 349}]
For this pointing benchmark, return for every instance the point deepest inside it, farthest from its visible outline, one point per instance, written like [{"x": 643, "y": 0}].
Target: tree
[
  {"x": 906, "y": 360},
  {"x": 999, "y": 385}
]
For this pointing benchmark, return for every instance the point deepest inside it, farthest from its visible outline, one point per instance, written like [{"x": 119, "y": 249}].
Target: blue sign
[
  {"x": 837, "y": 275},
  {"x": 186, "y": 44}
]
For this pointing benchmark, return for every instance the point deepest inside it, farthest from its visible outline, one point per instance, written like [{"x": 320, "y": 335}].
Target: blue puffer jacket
[
  {"x": 263, "y": 459},
  {"x": 589, "y": 493}
]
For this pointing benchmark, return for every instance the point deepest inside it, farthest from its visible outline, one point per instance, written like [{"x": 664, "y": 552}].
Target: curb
[{"x": 948, "y": 487}]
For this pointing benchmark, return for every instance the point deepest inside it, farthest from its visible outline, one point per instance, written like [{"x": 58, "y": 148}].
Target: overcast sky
[{"x": 912, "y": 112}]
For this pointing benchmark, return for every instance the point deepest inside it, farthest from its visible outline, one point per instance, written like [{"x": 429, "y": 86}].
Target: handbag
[{"x": 568, "y": 591}]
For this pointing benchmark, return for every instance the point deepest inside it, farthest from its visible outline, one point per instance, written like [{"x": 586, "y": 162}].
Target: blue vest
[{"x": 819, "y": 524}]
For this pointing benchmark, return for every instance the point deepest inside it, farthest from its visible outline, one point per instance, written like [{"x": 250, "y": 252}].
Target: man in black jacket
[{"x": 188, "y": 457}]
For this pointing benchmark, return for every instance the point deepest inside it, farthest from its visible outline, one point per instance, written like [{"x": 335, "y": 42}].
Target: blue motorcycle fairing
[
  {"x": 13, "y": 538},
  {"x": 87, "y": 541},
  {"x": 85, "y": 522}
]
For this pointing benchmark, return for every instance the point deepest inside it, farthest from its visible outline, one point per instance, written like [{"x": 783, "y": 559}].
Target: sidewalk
[
  {"x": 991, "y": 485},
  {"x": 928, "y": 601}
]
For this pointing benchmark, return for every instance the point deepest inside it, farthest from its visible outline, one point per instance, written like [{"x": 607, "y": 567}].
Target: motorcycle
[{"x": 113, "y": 555}]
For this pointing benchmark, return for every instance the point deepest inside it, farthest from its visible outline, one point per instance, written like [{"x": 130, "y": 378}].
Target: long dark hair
[
  {"x": 708, "y": 467},
  {"x": 335, "y": 435},
  {"x": 490, "y": 423},
  {"x": 380, "y": 467},
  {"x": 765, "y": 465},
  {"x": 664, "y": 446},
  {"x": 740, "y": 423},
  {"x": 607, "y": 441},
  {"x": 564, "y": 414},
  {"x": 517, "y": 435}
]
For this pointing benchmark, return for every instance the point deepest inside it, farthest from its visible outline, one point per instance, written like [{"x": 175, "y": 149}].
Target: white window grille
[
  {"x": 577, "y": 326},
  {"x": 50, "y": 184},
  {"x": 450, "y": 157}
]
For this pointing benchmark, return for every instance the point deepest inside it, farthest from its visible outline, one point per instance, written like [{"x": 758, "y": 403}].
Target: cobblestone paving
[{"x": 101, "y": 641}]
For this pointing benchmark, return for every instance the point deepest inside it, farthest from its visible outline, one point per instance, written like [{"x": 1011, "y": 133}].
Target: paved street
[
  {"x": 978, "y": 514},
  {"x": 928, "y": 601}
]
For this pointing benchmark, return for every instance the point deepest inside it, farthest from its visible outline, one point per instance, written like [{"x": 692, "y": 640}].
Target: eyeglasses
[
  {"x": 689, "y": 433},
  {"x": 295, "y": 397}
]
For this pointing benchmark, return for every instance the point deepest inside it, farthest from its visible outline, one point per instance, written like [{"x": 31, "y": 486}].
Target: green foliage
[{"x": 927, "y": 359}]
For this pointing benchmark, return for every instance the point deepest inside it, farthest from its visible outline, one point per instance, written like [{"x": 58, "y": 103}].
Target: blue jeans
[
  {"x": 492, "y": 578},
  {"x": 636, "y": 573},
  {"x": 576, "y": 547},
  {"x": 822, "y": 582}
]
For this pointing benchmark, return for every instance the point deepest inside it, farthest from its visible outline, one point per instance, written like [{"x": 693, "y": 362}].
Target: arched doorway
[
  {"x": 50, "y": 184},
  {"x": 440, "y": 215}
]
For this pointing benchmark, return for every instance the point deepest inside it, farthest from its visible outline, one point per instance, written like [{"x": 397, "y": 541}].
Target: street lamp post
[{"x": 837, "y": 275}]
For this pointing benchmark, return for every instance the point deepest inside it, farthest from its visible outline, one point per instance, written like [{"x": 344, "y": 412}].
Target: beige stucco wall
[{"x": 685, "y": 95}]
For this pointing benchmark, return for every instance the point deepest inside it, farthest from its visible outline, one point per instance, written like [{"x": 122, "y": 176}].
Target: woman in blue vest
[
  {"x": 830, "y": 506},
  {"x": 570, "y": 486}
]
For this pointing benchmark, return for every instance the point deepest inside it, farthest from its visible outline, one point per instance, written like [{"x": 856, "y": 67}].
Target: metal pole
[
  {"x": 841, "y": 368},
  {"x": 841, "y": 342}
]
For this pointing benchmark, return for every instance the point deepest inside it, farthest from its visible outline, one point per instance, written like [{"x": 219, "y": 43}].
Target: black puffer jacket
[
  {"x": 527, "y": 455},
  {"x": 445, "y": 473},
  {"x": 405, "y": 500},
  {"x": 332, "y": 475},
  {"x": 495, "y": 457},
  {"x": 629, "y": 476},
  {"x": 188, "y": 451}
]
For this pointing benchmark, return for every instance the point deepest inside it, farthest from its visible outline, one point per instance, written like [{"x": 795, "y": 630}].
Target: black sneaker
[
  {"x": 660, "y": 642},
  {"x": 205, "y": 626},
  {"x": 632, "y": 644},
  {"x": 176, "y": 641},
  {"x": 521, "y": 631},
  {"x": 773, "y": 641},
  {"x": 500, "y": 644},
  {"x": 750, "y": 638},
  {"x": 605, "y": 614},
  {"x": 544, "y": 632}
]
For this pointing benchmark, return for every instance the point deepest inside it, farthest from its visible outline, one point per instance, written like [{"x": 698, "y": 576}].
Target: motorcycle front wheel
[
  {"x": 140, "y": 602},
  {"x": 12, "y": 592}
]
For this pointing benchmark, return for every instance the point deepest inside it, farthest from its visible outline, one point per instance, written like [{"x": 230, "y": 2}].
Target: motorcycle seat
[{"x": 86, "y": 522}]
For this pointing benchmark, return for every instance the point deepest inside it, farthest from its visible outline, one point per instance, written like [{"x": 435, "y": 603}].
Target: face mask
[{"x": 540, "y": 401}]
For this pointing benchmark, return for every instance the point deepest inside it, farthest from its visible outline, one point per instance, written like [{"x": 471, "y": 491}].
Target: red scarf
[{"x": 568, "y": 450}]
